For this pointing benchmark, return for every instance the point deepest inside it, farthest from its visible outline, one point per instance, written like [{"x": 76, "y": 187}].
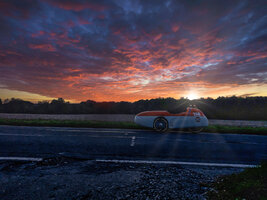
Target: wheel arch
[{"x": 161, "y": 117}]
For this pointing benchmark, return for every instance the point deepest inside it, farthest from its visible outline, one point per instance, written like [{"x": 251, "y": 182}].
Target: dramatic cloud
[{"x": 130, "y": 49}]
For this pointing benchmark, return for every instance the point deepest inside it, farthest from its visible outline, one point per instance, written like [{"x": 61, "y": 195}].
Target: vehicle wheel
[
  {"x": 161, "y": 124},
  {"x": 196, "y": 130}
]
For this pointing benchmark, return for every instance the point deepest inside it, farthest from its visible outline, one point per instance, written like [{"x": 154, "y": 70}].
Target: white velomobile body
[{"x": 193, "y": 119}]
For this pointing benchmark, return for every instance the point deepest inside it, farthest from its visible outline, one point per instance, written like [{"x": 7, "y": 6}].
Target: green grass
[
  {"x": 69, "y": 123},
  {"x": 126, "y": 125},
  {"x": 249, "y": 184}
]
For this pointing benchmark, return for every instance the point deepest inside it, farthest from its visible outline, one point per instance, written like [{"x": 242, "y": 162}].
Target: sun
[{"x": 192, "y": 96}]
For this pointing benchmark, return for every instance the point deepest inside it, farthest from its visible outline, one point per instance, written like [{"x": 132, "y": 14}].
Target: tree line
[{"x": 239, "y": 108}]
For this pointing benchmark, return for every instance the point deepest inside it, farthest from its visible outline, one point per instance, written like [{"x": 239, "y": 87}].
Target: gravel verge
[{"x": 66, "y": 178}]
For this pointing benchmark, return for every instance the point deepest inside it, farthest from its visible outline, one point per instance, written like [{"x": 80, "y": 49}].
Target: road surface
[{"x": 132, "y": 145}]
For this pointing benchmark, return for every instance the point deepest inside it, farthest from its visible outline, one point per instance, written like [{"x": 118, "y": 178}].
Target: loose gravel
[{"x": 65, "y": 178}]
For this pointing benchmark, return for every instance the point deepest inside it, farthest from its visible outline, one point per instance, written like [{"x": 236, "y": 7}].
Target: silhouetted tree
[
  {"x": 42, "y": 107},
  {"x": 17, "y": 106},
  {"x": 1, "y": 106},
  {"x": 58, "y": 106},
  {"x": 254, "y": 108},
  {"x": 6, "y": 101}
]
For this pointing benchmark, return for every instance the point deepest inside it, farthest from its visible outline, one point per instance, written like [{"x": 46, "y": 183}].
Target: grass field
[
  {"x": 249, "y": 184},
  {"x": 127, "y": 125}
]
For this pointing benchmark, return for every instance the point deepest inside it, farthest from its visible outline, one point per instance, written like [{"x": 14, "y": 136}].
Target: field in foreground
[
  {"x": 249, "y": 184},
  {"x": 126, "y": 125}
]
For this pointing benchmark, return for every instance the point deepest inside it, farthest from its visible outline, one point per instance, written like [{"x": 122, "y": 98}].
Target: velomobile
[{"x": 193, "y": 119}]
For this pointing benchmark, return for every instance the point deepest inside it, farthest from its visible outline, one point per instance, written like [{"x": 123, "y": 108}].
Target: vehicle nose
[
  {"x": 136, "y": 119},
  {"x": 205, "y": 121}
]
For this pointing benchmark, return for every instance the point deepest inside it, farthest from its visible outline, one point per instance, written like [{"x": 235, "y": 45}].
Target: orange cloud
[
  {"x": 79, "y": 6},
  {"x": 43, "y": 47}
]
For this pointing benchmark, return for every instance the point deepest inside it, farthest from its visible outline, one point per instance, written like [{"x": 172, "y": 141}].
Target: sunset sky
[{"x": 126, "y": 50}]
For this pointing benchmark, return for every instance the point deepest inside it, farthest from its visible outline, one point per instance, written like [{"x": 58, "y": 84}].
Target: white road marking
[
  {"x": 50, "y": 135},
  {"x": 133, "y": 141},
  {"x": 177, "y": 163},
  {"x": 141, "y": 162},
  {"x": 21, "y": 159}
]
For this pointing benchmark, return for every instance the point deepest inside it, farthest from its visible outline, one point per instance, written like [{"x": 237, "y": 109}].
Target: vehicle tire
[
  {"x": 161, "y": 124},
  {"x": 196, "y": 130}
]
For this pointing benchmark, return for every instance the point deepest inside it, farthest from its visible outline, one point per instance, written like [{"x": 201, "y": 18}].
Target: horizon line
[{"x": 68, "y": 101}]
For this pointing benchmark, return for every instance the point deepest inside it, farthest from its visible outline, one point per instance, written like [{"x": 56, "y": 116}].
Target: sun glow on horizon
[{"x": 192, "y": 96}]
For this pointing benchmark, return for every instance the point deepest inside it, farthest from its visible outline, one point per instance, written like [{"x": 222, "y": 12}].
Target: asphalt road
[{"x": 110, "y": 144}]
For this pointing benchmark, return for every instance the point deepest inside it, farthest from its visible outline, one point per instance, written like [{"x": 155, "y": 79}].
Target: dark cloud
[
  {"x": 248, "y": 94},
  {"x": 129, "y": 48},
  {"x": 80, "y": 5}
]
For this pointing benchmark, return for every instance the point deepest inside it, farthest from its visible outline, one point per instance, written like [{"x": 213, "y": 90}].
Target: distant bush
[{"x": 249, "y": 108}]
